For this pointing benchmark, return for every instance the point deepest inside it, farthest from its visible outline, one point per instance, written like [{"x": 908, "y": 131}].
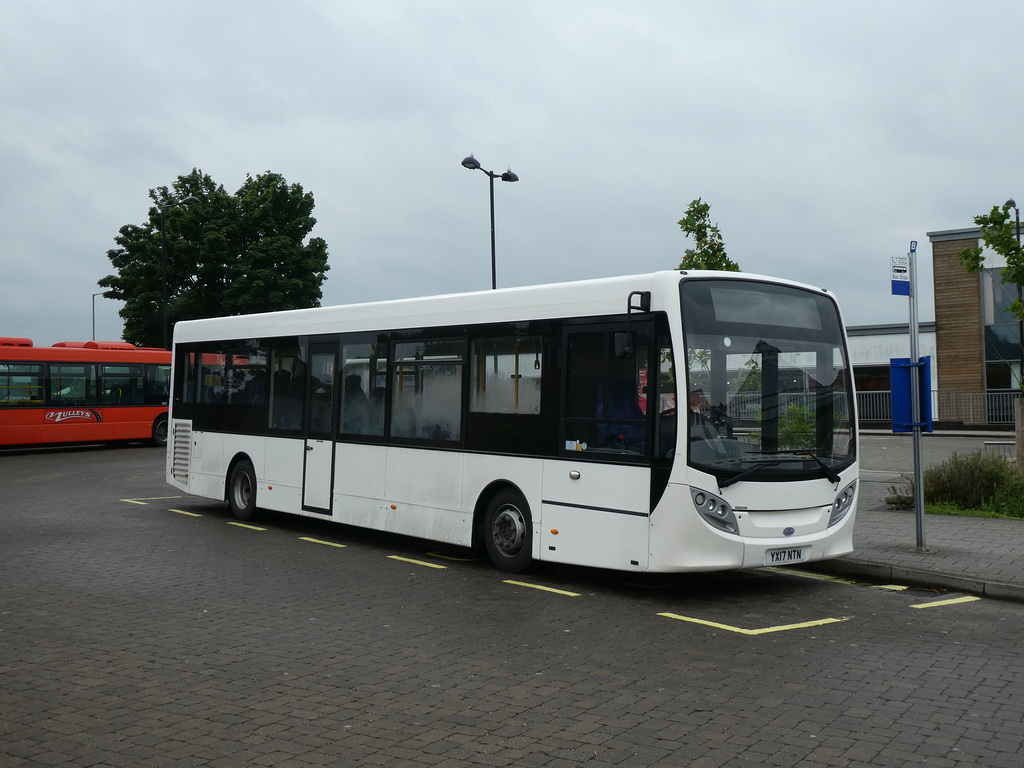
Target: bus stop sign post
[
  {"x": 899, "y": 274},
  {"x": 903, "y": 272}
]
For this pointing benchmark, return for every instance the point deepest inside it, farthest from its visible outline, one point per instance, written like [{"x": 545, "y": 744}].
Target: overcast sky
[{"x": 825, "y": 135}]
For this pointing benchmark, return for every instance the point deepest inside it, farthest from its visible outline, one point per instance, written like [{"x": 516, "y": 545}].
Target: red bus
[{"x": 82, "y": 392}]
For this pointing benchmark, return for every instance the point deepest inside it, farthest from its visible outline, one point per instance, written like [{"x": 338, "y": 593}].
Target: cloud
[{"x": 825, "y": 136}]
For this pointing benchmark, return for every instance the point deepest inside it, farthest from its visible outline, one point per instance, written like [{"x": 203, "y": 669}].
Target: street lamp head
[
  {"x": 174, "y": 203},
  {"x": 509, "y": 176},
  {"x": 1011, "y": 203},
  {"x": 472, "y": 163}
]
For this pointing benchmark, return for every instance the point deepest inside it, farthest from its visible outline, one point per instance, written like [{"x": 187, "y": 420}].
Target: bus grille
[{"x": 182, "y": 451}]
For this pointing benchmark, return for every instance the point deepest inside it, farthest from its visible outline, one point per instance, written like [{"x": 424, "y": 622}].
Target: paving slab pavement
[{"x": 982, "y": 556}]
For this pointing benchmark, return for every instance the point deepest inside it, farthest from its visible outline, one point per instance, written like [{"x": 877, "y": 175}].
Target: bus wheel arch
[
  {"x": 240, "y": 488},
  {"x": 504, "y": 525}
]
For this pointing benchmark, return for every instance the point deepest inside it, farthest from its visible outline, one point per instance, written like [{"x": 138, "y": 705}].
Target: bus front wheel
[
  {"x": 508, "y": 531},
  {"x": 242, "y": 491}
]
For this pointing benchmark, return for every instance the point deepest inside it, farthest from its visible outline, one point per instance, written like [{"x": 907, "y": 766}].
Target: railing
[
  {"x": 974, "y": 408},
  {"x": 874, "y": 406},
  {"x": 988, "y": 408},
  {"x": 995, "y": 407},
  {"x": 748, "y": 407}
]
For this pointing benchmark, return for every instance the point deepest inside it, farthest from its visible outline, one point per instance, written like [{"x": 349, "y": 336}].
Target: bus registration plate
[{"x": 784, "y": 556}]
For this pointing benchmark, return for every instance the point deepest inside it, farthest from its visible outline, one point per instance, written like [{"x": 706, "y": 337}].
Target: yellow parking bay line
[
  {"x": 243, "y": 525},
  {"x": 418, "y": 562},
  {"x": 183, "y": 512},
  {"x": 835, "y": 579},
  {"x": 950, "y": 601},
  {"x": 762, "y": 631},
  {"x": 320, "y": 541},
  {"x": 544, "y": 589},
  {"x": 144, "y": 501}
]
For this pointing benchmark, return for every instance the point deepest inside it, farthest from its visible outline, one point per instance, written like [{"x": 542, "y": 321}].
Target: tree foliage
[
  {"x": 226, "y": 254},
  {"x": 709, "y": 248},
  {"x": 999, "y": 232}
]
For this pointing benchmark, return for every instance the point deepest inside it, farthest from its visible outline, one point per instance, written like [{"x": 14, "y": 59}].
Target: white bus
[{"x": 676, "y": 421}]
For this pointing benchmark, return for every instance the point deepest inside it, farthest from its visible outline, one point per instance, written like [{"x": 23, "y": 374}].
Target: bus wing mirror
[
  {"x": 644, "y": 298},
  {"x": 625, "y": 341}
]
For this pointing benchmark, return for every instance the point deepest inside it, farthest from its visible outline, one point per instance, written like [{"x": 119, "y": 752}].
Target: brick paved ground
[{"x": 131, "y": 635}]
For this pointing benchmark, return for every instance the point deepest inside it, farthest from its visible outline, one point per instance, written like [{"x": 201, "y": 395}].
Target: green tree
[
  {"x": 226, "y": 254},
  {"x": 709, "y": 248},
  {"x": 999, "y": 232}
]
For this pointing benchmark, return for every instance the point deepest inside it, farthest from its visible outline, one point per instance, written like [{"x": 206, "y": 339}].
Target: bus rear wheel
[
  {"x": 508, "y": 531},
  {"x": 242, "y": 490},
  {"x": 159, "y": 431}
]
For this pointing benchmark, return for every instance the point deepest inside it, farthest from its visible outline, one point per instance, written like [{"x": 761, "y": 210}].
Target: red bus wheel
[{"x": 159, "y": 431}]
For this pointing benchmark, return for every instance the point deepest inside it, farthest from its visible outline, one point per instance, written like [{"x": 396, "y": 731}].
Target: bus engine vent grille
[{"x": 182, "y": 451}]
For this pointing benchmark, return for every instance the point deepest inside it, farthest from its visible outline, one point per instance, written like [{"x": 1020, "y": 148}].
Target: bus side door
[
  {"x": 318, "y": 467},
  {"x": 596, "y": 502}
]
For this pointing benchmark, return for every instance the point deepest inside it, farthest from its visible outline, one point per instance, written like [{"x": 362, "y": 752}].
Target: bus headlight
[
  {"x": 843, "y": 503},
  {"x": 715, "y": 510}
]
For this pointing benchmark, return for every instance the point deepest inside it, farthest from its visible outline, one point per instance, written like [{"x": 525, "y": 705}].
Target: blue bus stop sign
[{"x": 900, "y": 378}]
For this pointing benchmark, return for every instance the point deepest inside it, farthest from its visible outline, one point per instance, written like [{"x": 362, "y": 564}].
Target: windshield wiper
[
  {"x": 726, "y": 482},
  {"x": 830, "y": 473}
]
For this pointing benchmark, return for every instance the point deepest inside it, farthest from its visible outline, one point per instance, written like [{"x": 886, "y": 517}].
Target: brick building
[{"x": 977, "y": 359}]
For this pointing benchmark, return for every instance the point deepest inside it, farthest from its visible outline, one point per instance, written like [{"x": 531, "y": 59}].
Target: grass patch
[{"x": 976, "y": 485}]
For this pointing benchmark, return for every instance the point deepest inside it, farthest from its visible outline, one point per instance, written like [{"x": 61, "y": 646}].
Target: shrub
[
  {"x": 901, "y": 497},
  {"x": 968, "y": 481},
  {"x": 977, "y": 481}
]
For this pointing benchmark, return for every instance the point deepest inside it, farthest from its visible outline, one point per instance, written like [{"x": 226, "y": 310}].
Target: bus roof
[
  {"x": 103, "y": 345},
  {"x": 23, "y": 350},
  {"x": 602, "y": 296},
  {"x": 15, "y": 341}
]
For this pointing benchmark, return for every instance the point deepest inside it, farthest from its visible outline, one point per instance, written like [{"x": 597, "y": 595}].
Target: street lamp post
[
  {"x": 1018, "y": 405},
  {"x": 474, "y": 165},
  {"x": 163, "y": 258},
  {"x": 1011, "y": 203}
]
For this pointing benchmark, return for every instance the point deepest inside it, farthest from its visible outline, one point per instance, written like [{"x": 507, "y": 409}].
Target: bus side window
[
  {"x": 666, "y": 424},
  {"x": 157, "y": 384},
  {"x": 506, "y": 375},
  {"x": 362, "y": 394},
  {"x": 606, "y": 396},
  {"x": 287, "y": 379},
  {"x": 72, "y": 384},
  {"x": 426, "y": 390},
  {"x": 321, "y": 393},
  {"x": 121, "y": 385},
  {"x": 21, "y": 384}
]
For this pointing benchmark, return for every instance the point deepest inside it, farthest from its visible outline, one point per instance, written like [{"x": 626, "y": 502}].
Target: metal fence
[
  {"x": 874, "y": 406},
  {"x": 748, "y": 407},
  {"x": 971, "y": 408},
  {"x": 990, "y": 408}
]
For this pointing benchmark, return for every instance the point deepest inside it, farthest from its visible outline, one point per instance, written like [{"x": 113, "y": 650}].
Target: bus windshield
[{"x": 769, "y": 386}]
